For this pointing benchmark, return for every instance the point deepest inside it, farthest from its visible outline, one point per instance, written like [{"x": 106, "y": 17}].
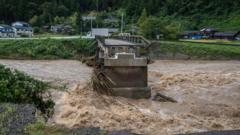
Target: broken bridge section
[{"x": 125, "y": 61}]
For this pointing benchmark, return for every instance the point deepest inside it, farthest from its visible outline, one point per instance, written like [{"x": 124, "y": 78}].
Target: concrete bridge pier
[
  {"x": 124, "y": 61},
  {"x": 130, "y": 76}
]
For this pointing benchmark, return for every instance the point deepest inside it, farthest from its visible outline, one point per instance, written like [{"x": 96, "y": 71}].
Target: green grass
[
  {"x": 46, "y": 49},
  {"x": 219, "y": 41},
  {"x": 4, "y": 114},
  {"x": 48, "y": 35},
  {"x": 200, "y": 50},
  {"x": 41, "y": 128}
]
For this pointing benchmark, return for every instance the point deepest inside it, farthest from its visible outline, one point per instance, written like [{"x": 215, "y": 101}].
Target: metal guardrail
[
  {"x": 138, "y": 40},
  {"x": 133, "y": 39}
]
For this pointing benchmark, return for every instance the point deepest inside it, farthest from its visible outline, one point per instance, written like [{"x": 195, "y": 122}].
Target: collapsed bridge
[{"x": 124, "y": 59}]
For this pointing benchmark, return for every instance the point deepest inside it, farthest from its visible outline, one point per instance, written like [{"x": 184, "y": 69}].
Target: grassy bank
[
  {"x": 219, "y": 41},
  {"x": 46, "y": 49},
  {"x": 40, "y": 128},
  {"x": 196, "y": 50}
]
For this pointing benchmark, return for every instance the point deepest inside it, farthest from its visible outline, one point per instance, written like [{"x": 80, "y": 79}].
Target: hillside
[{"x": 202, "y": 12}]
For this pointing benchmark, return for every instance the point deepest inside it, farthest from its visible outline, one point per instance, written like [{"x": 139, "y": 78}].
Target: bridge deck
[{"x": 115, "y": 42}]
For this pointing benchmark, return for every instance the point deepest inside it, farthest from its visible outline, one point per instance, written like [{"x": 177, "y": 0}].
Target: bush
[
  {"x": 16, "y": 87},
  {"x": 37, "y": 30}
]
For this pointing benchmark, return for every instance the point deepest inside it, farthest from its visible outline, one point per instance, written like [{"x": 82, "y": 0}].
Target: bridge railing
[
  {"x": 138, "y": 40},
  {"x": 101, "y": 39},
  {"x": 134, "y": 39}
]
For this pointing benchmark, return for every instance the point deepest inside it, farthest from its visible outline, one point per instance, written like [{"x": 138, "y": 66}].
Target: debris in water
[
  {"x": 162, "y": 98},
  {"x": 101, "y": 83}
]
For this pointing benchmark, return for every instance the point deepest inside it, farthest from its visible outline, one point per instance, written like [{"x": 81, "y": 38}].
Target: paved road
[
  {"x": 66, "y": 37},
  {"x": 186, "y": 42}
]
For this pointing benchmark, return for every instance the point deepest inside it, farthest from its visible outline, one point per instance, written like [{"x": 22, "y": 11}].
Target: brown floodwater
[{"x": 208, "y": 95}]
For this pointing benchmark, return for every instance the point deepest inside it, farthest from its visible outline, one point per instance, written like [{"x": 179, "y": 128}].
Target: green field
[
  {"x": 199, "y": 50},
  {"x": 216, "y": 41}
]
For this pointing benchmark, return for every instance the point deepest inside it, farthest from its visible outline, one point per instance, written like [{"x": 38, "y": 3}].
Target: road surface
[{"x": 42, "y": 38}]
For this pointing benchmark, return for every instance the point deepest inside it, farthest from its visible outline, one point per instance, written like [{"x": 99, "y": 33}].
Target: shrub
[
  {"x": 17, "y": 87},
  {"x": 37, "y": 30}
]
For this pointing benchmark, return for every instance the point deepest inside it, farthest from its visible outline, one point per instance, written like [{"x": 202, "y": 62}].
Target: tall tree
[{"x": 143, "y": 17}]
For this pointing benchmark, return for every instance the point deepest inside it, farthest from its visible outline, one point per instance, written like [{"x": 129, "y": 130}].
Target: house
[
  {"x": 63, "y": 29},
  {"x": 111, "y": 22},
  {"x": 57, "y": 28},
  {"x": 6, "y": 31},
  {"x": 68, "y": 29},
  {"x": 191, "y": 35},
  {"x": 208, "y": 33},
  {"x": 227, "y": 35},
  {"x": 22, "y": 29}
]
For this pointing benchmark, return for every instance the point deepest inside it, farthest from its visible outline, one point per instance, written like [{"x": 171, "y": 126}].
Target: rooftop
[
  {"x": 5, "y": 26},
  {"x": 22, "y": 25}
]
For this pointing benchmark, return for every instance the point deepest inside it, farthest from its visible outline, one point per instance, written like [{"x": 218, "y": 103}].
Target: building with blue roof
[
  {"x": 22, "y": 29},
  {"x": 6, "y": 31}
]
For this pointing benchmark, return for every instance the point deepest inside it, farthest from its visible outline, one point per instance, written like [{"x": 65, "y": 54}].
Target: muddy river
[{"x": 207, "y": 94}]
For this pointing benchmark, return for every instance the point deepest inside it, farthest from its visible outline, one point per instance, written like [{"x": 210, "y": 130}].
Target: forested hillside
[{"x": 182, "y": 14}]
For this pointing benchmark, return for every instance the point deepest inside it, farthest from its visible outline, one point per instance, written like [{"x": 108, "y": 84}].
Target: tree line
[
  {"x": 176, "y": 14},
  {"x": 12, "y": 10}
]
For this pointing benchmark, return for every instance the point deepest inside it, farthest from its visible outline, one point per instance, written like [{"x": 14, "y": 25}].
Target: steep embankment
[{"x": 197, "y": 51}]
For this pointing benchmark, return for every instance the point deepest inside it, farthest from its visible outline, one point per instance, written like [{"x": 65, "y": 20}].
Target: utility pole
[
  {"x": 122, "y": 24},
  {"x": 91, "y": 18},
  {"x": 91, "y": 25},
  {"x": 97, "y": 5},
  {"x": 97, "y": 10}
]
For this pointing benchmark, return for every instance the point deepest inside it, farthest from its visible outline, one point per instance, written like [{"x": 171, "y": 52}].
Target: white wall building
[{"x": 22, "y": 29}]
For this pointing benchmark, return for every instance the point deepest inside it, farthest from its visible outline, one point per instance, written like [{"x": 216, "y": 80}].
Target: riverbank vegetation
[
  {"x": 212, "y": 41},
  {"x": 40, "y": 49},
  {"x": 46, "y": 49},
  {"x": 188, "y": 50}
]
